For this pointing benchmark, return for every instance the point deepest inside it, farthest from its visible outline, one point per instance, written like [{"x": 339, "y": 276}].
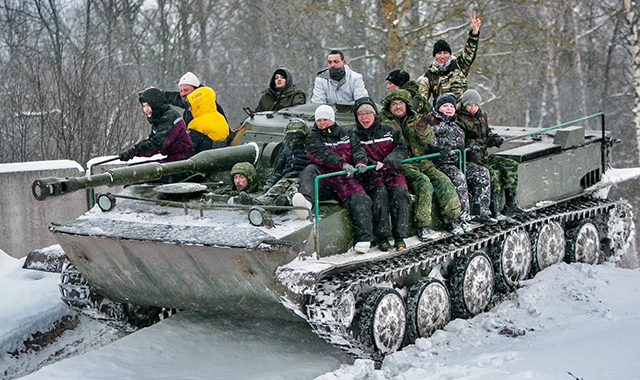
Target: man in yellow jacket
[{"x": 208, "y": 129}]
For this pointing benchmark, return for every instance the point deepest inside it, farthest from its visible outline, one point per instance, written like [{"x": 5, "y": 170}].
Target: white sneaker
[
  {"x": 362, "y": 246},
  {"x": 299, "y": 200}
]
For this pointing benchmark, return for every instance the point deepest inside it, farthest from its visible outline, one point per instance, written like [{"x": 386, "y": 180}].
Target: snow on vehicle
[{"x": 139, "y": 251}]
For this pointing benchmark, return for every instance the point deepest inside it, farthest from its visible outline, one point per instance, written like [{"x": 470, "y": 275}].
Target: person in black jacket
[
  {"x": 332, "y": 148},
  {"x": 168, "y": 134},
  {"x": 385, "y": 185}
]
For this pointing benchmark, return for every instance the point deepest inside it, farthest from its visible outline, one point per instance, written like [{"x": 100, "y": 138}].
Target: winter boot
[
  {"x": 425, "y": 233},
  {"x": 511, "y": 207},
  {"x": 455, "y": 228},
  {"x": 299, "y": 200},
  {"x": 281, "y": 200},
  {"x": 384, "y": 245},
  {"x": 362, "y": 246},
  {"x": 400, "y": 244}
]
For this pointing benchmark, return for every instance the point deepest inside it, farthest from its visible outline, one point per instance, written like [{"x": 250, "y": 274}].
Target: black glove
[
  {"x": 494, "y": 141},
  {"x": 349, "y": 169},
  {"x": 361, "y": 168},
  {"x": 474, "y": 148},
  {"x": 444, "y": 151},
  {"x": 127, "y": 154}
]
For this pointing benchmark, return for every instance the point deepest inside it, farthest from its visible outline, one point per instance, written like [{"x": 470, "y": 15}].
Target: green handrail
[
  {"x": 559, "y": 126},
  {"x": 316, "y": 186}
]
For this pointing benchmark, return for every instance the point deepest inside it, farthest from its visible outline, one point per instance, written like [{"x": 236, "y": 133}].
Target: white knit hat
[
  {"x": 325, "y": 112},
  {"x": 189, "y": 78}
]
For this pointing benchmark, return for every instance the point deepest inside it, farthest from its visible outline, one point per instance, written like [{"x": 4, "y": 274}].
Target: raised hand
[{"x": 475, "y": 23}]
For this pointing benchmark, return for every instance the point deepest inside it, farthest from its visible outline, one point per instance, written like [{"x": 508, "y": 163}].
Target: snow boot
[
  {"x": 511, "y": 207},
  {"x": 384, "y": 245},
  {"x": 425, "y": 233},
  {"x": 362, "y": 246},
  {"x": 400, "y": 244},
  {"x": 299, "y": 200}
]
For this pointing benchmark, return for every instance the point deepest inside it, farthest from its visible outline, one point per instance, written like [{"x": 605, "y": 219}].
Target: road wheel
[
  {"x": 583, "y": 243},
  {"x": 428, "y": 308},
  {"x": 472, "y": 284},
  {"x": 382, "y": 320},
  {"x": 512, "y": 259},
  {"x": 620, "y": 227},
  {"x": 548, "y": 246}
]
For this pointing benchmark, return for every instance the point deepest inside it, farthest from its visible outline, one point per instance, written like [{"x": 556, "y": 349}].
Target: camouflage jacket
[
  {"x": 417, "y": 104},
  {"x": 416, "y": 138},
  {"x": 454, "y": 79},
  {"x": 475, "y": 128}
]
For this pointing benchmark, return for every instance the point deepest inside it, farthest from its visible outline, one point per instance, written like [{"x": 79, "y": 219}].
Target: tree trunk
[{"x": 634, "y": 49}]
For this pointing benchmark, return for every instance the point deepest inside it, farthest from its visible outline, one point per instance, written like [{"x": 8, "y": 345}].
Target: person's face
[
  {"x": 240, "y": 181},
  {"x": 280, "y": 81},
  {"x": 442, "y": 57},
  {"x": 185, "y": 89},
  {"x": 146, "y": 108},
  {"x": 398, "y": 108},
  {"x": 391, "y": 86},
  {"x": 472, "y": 108},
  {"x": 366, "y": 118},
  {"x": 324, "y": 123},
  {"x": 447, "y": 109},
  {"x": 334, "y": 61}
]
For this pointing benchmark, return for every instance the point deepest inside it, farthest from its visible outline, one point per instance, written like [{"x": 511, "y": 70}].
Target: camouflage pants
[
  {"x": 428, "y": 185},
  {"x": 286, "y": 186},
  {"x": 476, "y": 182},
  {"x": 508, "y": 170}
]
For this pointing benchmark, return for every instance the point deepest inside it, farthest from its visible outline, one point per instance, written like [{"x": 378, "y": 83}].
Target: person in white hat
[{"x": 332, "y": 148}]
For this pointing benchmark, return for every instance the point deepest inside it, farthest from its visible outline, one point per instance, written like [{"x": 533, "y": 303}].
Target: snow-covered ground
[{"x": 570, "y": 321}]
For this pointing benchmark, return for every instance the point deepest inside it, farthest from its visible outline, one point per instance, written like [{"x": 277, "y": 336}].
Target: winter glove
[
  {"x": 361, "y": 168},
  {"x": 379, "y": 165},
  {"x": 349, "y": 169},
  {"x": 474, "y": 148},
  {"x": 494, "y": 141},
  {"x": 127, "y": 154},
  {"x": 443, "y": 150}
]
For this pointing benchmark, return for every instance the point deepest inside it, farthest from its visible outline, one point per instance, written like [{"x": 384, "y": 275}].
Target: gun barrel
[{"x": 208, "y": 161}]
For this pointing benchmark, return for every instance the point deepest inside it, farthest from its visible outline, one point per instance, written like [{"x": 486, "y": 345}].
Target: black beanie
[
  {"x": 447, "y": 97},
  {"x": 441, "y": 45},
  {"x": 398, "y": 77}
]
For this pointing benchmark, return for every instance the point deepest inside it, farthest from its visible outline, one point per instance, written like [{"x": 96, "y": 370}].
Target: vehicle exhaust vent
[{"x": 590, "y": 178}]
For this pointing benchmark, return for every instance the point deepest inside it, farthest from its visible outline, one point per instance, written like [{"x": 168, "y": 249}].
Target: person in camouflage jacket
[
  {"x": 401, "y": 80},
  {"x": 385, "y": 185},
  {"x": 448, "y": 73},
  {"x": 425, "y": 181},
  {"x": 479, "y": 137},
  {"x": 448, "y": 138}
]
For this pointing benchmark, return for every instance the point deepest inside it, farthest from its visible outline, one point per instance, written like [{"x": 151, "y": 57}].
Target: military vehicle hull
[{"x": 204, "y": 255}]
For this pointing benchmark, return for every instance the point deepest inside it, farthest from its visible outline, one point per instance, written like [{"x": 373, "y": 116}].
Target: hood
[
  {"x": 403, "y": 95},
  {"x": 156, "y": 101},
  {"x": 284, "y": 72},
  {"x": 202, "y": 101},
  {"x": 247, "y": 170},
  {"x": 376, "y": 122}
]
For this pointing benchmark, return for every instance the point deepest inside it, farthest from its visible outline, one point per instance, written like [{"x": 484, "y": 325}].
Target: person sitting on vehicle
[
  {"x": 337, "y": 83},
  {"x": 208, "y": 129},
  {"x": 448, "y": 73},
  {"x": 168, "y": 134},
  {"x": 479, "y": 137},
  {"x": 332, "y": 148},
  {"x": 385, "y": 185},
  {"x": 449, "y": 137},
  {"x": 400, "y": 80},
  {"x": 426, "y": 182},
  {"x": 186, "y": 85},
  {"x": 281, "y": 93},
  {"x": 282, "y": 184}
]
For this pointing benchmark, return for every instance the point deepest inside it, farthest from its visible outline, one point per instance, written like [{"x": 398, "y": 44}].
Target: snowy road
[{"x": 195, "y": 346}]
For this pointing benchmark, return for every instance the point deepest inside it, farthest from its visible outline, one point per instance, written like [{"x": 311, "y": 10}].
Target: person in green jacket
[
  {"x": 424, "y": 180},
  {"x": 401, "y": 80},
  {"x": 448, "y": 73},
  {"x": 281, "y": 93}
]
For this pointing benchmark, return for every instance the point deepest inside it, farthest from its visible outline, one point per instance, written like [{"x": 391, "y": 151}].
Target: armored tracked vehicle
[{"x": 144, "y": 248}]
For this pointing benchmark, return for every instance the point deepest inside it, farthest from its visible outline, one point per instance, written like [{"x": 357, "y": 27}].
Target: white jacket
[{"x": 329, "y": 91}]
